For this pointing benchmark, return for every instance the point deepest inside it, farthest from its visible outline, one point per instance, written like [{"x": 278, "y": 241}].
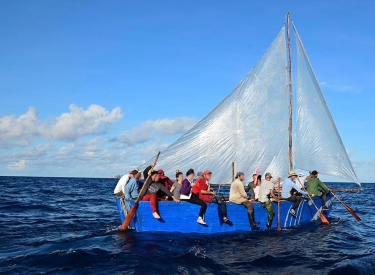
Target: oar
[
  {"x": 132, "y": 211},
  {"x": 351, "y": 211},
  {"x": 322, "y": 217}
]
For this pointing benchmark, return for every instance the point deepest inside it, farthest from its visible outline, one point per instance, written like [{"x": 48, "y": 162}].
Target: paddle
[
  {"x": 132, "y": 211},
  {"x": 351, "y": 211},
  {"x": 322, "y": 217}
]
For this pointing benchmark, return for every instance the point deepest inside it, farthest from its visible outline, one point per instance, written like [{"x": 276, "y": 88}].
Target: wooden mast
[{"x": 290, "y": 93}]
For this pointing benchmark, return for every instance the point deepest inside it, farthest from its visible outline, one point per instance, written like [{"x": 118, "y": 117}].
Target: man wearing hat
[
  {"x": 312, "y": 187},
  {"x": 265, "y": 194},
  {"x": 238, "y": 195},
  {"x": 206, "y": 194},
  {"x": 153, "y": 186},
  {"x": 288, "y": 185}
]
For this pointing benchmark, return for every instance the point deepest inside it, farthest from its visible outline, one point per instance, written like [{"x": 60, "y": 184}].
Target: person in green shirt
[{"x": 313, "y": 185}]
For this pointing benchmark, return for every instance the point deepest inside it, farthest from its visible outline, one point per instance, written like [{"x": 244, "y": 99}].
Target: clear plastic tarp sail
[
  {"x": 249, "y": 127},
  {"x": 318, "y": 144}
]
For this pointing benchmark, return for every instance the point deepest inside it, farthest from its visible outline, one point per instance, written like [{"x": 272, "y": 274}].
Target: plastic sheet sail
[
  {"x": 250, "y": 126},
  {"x": 318, "y": 143}
]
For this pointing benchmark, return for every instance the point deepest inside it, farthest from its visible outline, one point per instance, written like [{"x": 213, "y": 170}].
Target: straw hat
[{"x": 292, "y": 173}]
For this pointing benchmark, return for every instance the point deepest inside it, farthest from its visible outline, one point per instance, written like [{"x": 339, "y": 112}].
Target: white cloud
[
  {"x": 37, "y": 152},
  {"x": 24, "y": 127},
  {"x": 20, "y": 131},
  {"x": 95, "y": 156},
  {"x": 152, "y": 129},
  {"x": 17, "y": 165},
  {"x": 79, "y": 122},
  {"x": 350, "y": 151},
  {"x": 357, "y": 164}
]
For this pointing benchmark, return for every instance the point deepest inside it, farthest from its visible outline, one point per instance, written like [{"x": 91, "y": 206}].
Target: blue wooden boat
[
  {"x": 253, "y": 128},
  {"x": 182, "y": 217}
]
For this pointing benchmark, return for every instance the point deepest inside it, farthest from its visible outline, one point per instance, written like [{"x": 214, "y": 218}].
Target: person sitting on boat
[
  {"x": 164, "y": 179},
  {"x": 200, "y": 177},
  {"x": 120, "y": 187},
  {"x": 152, "y": 188},
  {"x": 238, "y": 195},
  {"x": 286, "y": 194},
  {"x": 312, "y": 188},
  {"x": 131, "y": 188},
  {"x": 176, "y": 188},
  {"x": 257, "y": 188},
  {"x": 189, "y": 196},
  {"x": 250, "y": 187},
  {"x": 265, "y": 194},
  {"x": 206, "y": 194}
]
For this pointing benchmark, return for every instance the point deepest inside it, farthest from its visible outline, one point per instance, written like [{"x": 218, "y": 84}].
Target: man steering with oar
[{"x": 313, "y": 185}]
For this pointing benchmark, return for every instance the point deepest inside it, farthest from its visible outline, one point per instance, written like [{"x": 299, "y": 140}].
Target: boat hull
[{"x": 182, "y": 217}]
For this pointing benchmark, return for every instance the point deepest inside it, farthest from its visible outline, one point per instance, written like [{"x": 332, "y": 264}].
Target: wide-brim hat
[{"x": 292, "y": 173}]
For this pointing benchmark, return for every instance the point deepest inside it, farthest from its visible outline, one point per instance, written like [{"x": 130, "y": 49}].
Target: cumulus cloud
[
  {"x": 79, "y": 122},
  {"x": 96, "y": 156},
  {"x": 17, "y": 165},
  {"x": 20, "y": 131},
  {"x": 37, "y": 152},
  {"x": 152, "y": 129},
  {"x": 13, "y": 128}
]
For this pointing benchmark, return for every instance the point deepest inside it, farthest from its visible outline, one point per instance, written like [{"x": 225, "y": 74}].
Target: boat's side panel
[
  {"x": 123, "y": 208},
  {"x": 182, "y": 217}
]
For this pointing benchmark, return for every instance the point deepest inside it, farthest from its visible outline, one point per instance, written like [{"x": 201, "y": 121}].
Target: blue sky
[{"x": 109, "y": 83}]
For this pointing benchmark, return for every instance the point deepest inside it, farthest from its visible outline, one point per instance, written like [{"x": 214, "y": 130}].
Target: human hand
[
  {"x": 153, "y": 164},
  {"x": 175, "y": 200},
  {"x": 213, "y": 192}
]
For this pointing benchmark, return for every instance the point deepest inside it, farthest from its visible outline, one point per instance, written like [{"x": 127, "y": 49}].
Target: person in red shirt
[
  {"x": 200, "y": 177},
  {"x": 207, "y": 194},
  {"x": 164, "y": 179}
]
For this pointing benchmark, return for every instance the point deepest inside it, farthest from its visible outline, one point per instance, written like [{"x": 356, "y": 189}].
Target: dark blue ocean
[{"x": 70, "y": 226}]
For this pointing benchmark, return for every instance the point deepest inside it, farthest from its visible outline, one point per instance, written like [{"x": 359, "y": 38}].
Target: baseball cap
[
  {"x": 268, "y": 175},
  {"x": 207, "y": 172},
  {"x": 161, "y": 171}
]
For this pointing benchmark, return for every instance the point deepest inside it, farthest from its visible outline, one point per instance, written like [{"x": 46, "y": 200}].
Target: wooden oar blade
[
  {"x": 351, "y": 211},
  {"x": 129, "y": 217},
  {"x": 323, "y": 218}
]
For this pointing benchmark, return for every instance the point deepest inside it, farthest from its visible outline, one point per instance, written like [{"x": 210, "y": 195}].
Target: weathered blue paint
[{"x": 182, "y": 217}]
